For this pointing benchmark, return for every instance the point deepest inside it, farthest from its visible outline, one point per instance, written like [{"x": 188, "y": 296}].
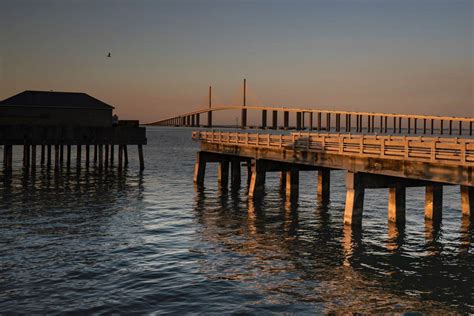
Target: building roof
[{"x": 30, "y": 98}]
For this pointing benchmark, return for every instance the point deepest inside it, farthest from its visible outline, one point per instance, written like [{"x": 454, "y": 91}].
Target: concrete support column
[
  {"x": 310, "y": 121},
  {"x": 235, "y": 172},
  {"x": 264, "y": 119},
  {"x": 286, "y": 119},
  {"x": 209, "y": 119},
  {"x": 244, "y": 119},
  {"x": 467, "y": 202},
  {"x": 282, "y": 181},
  {"x": 198, "y": 120},
  {"x": 434, "y": 202},
  {"x": 298, "y": 121},
  {"x": 320, "y": 126},
  {"x": 193, "y": 120},
  {"x": 199, "y": 169},
  {"x": 323, "y": 190},
  {"x": 95, "y": 154},
  {"x": 328, "y": 122},
  {"x": 396, "y": 205},
  {"x": 275, "y": 120},
  {"x": 223, "y": 173},
  {"x": 257, "y": 182},
  {"x": 354, "y": 200},
  {"x": 292, "y": 184}
]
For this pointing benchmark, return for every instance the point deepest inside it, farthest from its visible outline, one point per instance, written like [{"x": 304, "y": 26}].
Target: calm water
[{"x": 151, "y": 243}]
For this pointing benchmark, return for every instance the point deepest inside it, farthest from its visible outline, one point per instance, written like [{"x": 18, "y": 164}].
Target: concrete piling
[{"x": 434, "y": 202}]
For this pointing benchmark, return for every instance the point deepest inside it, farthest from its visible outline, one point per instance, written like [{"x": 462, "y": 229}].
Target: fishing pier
[{"x": 371, "y": 161}]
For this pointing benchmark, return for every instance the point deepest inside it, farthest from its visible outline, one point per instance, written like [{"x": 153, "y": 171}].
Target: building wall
[{"x": 22, "y": 115}]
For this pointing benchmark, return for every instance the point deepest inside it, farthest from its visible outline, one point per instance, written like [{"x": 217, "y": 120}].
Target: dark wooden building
[{"x": 55, "y": 109}]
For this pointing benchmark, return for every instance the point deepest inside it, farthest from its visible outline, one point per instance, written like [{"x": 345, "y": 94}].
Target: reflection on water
[{"x": 152, "y": 242}]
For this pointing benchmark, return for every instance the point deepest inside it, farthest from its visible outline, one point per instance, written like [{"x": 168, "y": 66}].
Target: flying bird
[{"x": 108, "y": 55}]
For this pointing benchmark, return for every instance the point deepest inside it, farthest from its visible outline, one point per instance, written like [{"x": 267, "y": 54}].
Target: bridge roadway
[
  {"x": 338, "y": 121},
  {"x": 371, "y": 161}
]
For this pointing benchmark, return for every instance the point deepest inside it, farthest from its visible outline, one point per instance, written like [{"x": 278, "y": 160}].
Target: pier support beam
[
  {"x": 235, "y": 174},
  {"x": 200, "y": 169},
  {"x": 223, "y": 173},
  {"x": 434, "y": 202},
  {"x": 396, "y": 205},
  {"x": 292, "y": 184},
  {"x": 467, "y": 202},
  {"x": 354, "y": 199},
  {"x": 257, "y": 182},
  {"x": 323, "y": 189}
]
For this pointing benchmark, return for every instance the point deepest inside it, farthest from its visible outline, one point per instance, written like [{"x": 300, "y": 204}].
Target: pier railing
[{"x": 458, "y": 151}]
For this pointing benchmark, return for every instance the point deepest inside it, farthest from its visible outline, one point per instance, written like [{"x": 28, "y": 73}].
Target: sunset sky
[{"x": 388, "y": 56}]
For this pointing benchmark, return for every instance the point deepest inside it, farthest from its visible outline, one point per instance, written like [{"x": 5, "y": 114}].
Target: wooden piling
[
  {"x": 33, "y": 157},
  {"x": 140, "y": 157},
  {"x": 48, "y": 155},
  {"x": 125, "y": 155},
  {"x": 68, "y": 156},
  {"x": 101, "y": 157},
  {"x": 57, "y": 159},
  {"x": 87, "y": 156},
  {"x": 120, "y": 156},
  {"x": 106, "y": 156}
]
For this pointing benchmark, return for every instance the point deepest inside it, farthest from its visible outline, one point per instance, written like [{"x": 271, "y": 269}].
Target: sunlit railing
[{"x": 458, "y": 151}]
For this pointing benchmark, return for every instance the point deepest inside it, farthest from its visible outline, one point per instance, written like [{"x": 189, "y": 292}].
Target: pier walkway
[{"x": 371, "y": 161}]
